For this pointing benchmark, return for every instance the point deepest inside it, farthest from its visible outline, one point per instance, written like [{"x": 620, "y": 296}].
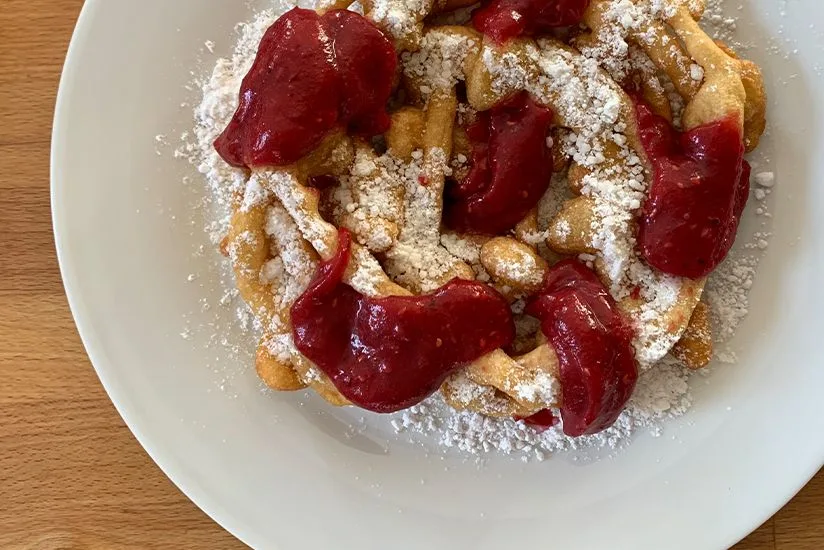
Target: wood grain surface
[{"x": 71, "y": 474}]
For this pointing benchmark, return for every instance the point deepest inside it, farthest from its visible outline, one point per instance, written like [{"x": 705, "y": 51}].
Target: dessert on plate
[{"x": 515, "y": 203}]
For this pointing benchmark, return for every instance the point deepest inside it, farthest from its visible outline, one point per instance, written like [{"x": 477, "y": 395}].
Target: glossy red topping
[
  {"x": 700, "y": 187},
  {"x": 511, "y": 168},
  {"x": 541, "y": 420},
  {"x": 387, "y": 354},
  {"x": 312, "y": 73},
  {"x": 505, "y": 19},
  {"x": 593, "y": 343}
]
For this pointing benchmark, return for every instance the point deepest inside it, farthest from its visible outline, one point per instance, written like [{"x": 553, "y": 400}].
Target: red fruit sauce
[
  {"x": 700, "y": 187},
  {"x": 593, "y": 343},
  {"x": 511, "y": 168},
  {"x": 505, "y": 19},
  {"x": 387, "y": 354},
  {"x": 312, "y": 73},
  {"x": 541, "y": 421}
]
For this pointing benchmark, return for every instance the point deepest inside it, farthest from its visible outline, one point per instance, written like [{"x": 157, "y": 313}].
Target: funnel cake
[{"x": 416, "y": 192}]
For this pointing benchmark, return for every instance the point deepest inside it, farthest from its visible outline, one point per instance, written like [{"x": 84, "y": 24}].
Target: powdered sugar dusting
[
  {"x": 418, "y": 260},
  {"x": 369, "y": 201},
  {"x": 400, "y": 18},
  {"x": 439, "y": 63}
]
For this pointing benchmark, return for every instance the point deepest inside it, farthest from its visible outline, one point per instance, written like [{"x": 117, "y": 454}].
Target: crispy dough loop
[
  {"x": 375, "y": 227},
  {"x": 755, "y": 106},
  {"x": 248, "y": 248},
  {"x": 405, "y": 134},
  {"x": 694, "y": 349},
  {"x": 514, "y": 264},
  {"x": 654, "y": 94},
  {"x": 276, "y": 374},
  {"x": 461, "y": 393},
  {"x": 655, "y": 39},
  {"x": 722, "y": 93}
]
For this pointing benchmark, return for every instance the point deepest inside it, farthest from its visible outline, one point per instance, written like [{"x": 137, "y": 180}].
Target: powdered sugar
[
  {"x": 298, "y": 261},
  {"x": 369, "y": 201},
  {"x": 727, "y": 292},
  {"x": 543, "y": 388},
  {"x": 418, "y": 260},
  {"x": 467, "y": 249},
  {"x": 439, "y": 63},
  {"x": 765, "y": 179},
  {"x": 400, "y": 18},
  {"x": 254, "y": 195},
  {"x": 298, "y": 203}
]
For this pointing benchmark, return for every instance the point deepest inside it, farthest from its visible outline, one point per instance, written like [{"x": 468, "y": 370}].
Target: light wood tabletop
[{"x": 71, "y": 474}]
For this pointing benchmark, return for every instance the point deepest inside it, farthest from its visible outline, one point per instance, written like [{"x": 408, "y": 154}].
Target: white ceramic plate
[{"x": 280, "y": 475}]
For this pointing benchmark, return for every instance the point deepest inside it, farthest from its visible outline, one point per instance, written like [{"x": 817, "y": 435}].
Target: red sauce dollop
[
  {"x": 541, "y": 421},
  {"x": 505, "y": 19},
  {"x": 593, "y": 343},
  {"x": 312, "y": 73},
  {"x": 511, "y": 168},
  {"x": 387, "y": 354},
  {"x": 700, "y": 187}
]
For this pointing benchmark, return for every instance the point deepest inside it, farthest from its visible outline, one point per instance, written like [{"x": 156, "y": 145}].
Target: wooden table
[{"x": 71, "y": 474}]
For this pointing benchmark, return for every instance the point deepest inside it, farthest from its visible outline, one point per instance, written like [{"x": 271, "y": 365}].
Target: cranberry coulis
[
  {"x": 312, "y": 73},
  {"x": 511, "y": 168},
  {"x": 700, "y": 187},
  {"x": 505, "y": 19},
  {"x": 593, "y": 343},
  {"x": 541, "y": 421},
  {"x": 387, "y": 354}
]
